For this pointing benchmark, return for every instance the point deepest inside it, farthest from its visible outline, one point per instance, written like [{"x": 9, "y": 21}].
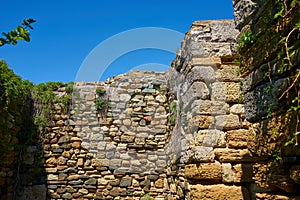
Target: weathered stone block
[
  {"x": 227, "y": 122},
  {"x": 202, "y": 122},
  {"x": 206, "y": 171},
  {"x": 227, "y": 173},
  {"x": 198, "y": 90},
  {"x": 239, "y": 138},
  {"x": 198, "y": 154},
  {"x": 217, "y": 192},
  {"x": 237, "y": 109},
  {"x": 207, "y": 107},
  {"x": 234, "y": 155},
  {"x": 233, "y": 91},
  {"x": 205, "y": 74},
  {"x": 228, "y": 73},
  {"x": 206, "y": 61},
  {"x": 91, "y": 181},
  {"x": 210, "y": 138},
  {"x": 128, "y": 137},
  {"x": 100, "y": 162},
  {"x": 52, "y": 177},
  {"x": 125, "y": 182},
  {"x": 210, "y": 49}
]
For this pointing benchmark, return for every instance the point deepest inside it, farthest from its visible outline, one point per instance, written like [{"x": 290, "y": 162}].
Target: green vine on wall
[
  {"x": 15, "y": 107},
  {"x": 173, "y": 109},
  {"x": 46, "y": 99},
  {"x": 101, "y": 102},
  {"x": 287, "y": 52},
  {"x": 276, "y": 36}
]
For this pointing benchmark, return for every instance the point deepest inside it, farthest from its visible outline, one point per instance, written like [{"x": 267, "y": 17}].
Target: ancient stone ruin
[{"x": 189, "y": 133}]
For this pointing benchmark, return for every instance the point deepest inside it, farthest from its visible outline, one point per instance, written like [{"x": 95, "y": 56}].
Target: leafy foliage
[
  {"x": 100, "y": 91},
  {"x": 21, "y": 32},
  {"x": 15, "y": 107},
  {"x": 172, "y": 118},
  {"x": 246, "y": 39},
  {"x": 45, "y": 100},
  {"x": 101, "y": 102},
  {"x": 12, "y": 87},
  {"x": 146, "y": 197}
]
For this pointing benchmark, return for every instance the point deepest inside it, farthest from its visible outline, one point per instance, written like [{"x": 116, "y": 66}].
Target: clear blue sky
[{"x": 66, "y": 32}]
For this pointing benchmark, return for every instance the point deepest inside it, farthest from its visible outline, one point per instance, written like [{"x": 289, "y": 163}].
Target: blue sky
[{"x": 66, "y": 32}]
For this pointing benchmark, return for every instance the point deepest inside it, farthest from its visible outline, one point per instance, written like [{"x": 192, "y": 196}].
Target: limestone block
[
  {"x": 198, "y": 90},
  {"x": 61, "y": 160},
  {"x": 218, "y": 91},
  {"x": 205, "y": 74},
  {"x": 211, "y": 49},
  {"x": 228, "y": 122},
  {"x": 76, "y": 144},
  {"x": 91, "y": 181},
  {"x": 161, "y": 98},
  {"x": 227, "y": 173},
  {"x": 239, "y": 138},
  {"x": 198, "y": 154},
  {"x": 206, "y": 61},
  {"x": 128, "y": 137},
  {"x": 237, "y": 109},
  {"x": 210, "y": 138},
  {"x": 207, "y": 107},
  {"x": 228, "y": 73},
  {"x": 203, "y": 171},
  {"x": 234, "y": 155},
  {"x": 226, "y": 91},
  {"x": 126, "y": 182},
  {"x": 213, "y": 31},
  {"x": 233, "y": 91},
  {"x": 52, "y": 177},
  {"x": 73, "y": 177},
  {"x": 64, "y": 139},
  {"x": 202, "y": 122},
  {"x": 159, "y": 183},
  {"x": 125, "y": 97},
  {"x": 100, "y": 162},
  {"x": 217, "y": 192},
  {"x": 51, "y": 162}
]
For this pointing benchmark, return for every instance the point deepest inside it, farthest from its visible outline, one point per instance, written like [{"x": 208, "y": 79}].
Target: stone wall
[
  {"x": 270, "y": 88},
  {"x": 211, "y": 117},
  {"x": 185, "y": 134},
  {"x": 118, "y": 152}
]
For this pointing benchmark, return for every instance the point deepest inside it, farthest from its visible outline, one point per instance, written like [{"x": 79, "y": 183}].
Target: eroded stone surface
[{"x": 219, "y": 192}]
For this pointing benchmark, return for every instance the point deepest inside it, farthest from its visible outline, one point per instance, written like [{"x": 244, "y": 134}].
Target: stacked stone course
[
  {"x": 213, "y": 126},
  {"x": 116, "y": 153},
  {"x": 177, "y": 135}
]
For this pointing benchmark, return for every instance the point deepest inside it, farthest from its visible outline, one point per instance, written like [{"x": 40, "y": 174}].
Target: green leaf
[{"x": 279, "y": 14}]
